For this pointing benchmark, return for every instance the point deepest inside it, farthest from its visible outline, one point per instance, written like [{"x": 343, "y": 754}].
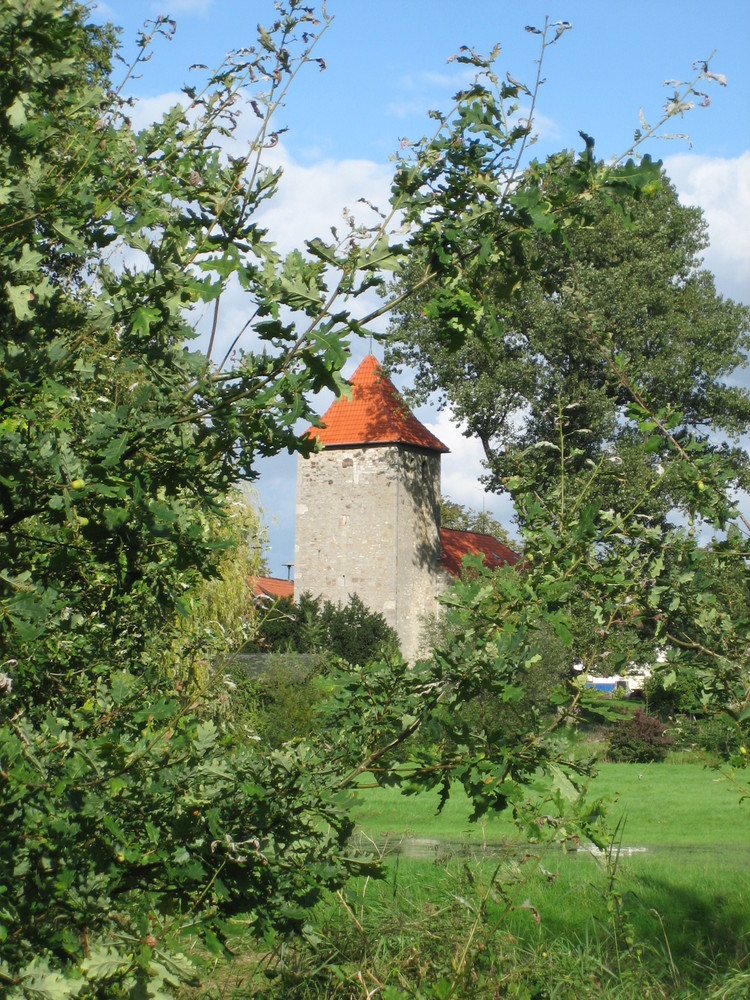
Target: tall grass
[{"x": 451, "y": 928}]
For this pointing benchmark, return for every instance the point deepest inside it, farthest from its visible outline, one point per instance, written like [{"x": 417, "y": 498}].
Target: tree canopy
[
  {"x": 623, "y": 292},
  {"x": 128, "y": 795},
  {"x": 464, "y": 518}
]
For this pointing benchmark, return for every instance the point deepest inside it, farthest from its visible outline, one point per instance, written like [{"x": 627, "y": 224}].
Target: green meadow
[
  {"x": 465, "y": 910},
  {"x": 661, "y": 805}
]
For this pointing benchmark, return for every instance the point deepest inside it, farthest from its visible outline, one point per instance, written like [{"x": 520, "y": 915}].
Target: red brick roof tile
[
  {"x": 457, "y": 544},
  {"x": 270, "y": 586},
  {"x": 376, "y": 414}
]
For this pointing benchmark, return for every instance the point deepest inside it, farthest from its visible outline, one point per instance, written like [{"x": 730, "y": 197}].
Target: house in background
[{"x": 368, "y": 511}]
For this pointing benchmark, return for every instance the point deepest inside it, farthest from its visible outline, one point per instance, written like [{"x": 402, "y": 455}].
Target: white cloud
[
  {"x": 148, "y": 110},
  {"x": 313, "y": 198},
  {"x": 310, "y": 199},
  {"x": 721, "y": 187},
  {"x": 463, "y": 466},
  {"x": 436, "y": 90},
  {"x": 105, "y": 12},
  {"x": 190, "y": 6},
  {"x": 449, "y": 80},
  {"x": 406, "y": 109},
  {"x": 429, "y": 90},
  {"x": 546, "y": 128}
]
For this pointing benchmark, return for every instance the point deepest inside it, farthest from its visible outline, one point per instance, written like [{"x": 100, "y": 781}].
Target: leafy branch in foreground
[{"x": 572, "y": 329}]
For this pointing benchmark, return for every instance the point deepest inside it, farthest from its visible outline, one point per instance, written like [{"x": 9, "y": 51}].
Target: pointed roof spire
[{"x": 376, "y": 414}]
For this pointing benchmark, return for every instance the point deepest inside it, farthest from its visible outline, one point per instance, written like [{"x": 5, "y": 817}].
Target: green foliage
[
  {"x": 620, "y": 291},
  {"x": 600, "y": 353},
  {"x": 286, "y": 694},
  {"x": 507, "y": 720},
  {"x": 617, "y": 350},
  {"x": 297, "y": 651},
  {"x": 716, "y": 734},
  {"x": 372, "y": 715},
  {"x": 287, "y": 625},
  {"x": 128, "y": 817},
  {"x": 463, "y": 518},
  {"x": 220, "y": 615},
  {"x": 120, "y": 444},
  {"x": 128, "y": 811},
  {"x": 357, "y": 634},
  {"x": 674, "y": 694},
  {"x": 638, "y": 739},
  {"x": 134, "y": 805},
  {"x": 719, "y": 734},
  {"x": 311, "y": 625}
]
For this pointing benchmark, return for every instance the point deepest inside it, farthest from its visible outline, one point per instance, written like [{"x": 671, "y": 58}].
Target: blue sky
[{"x": 386, "y": 66}]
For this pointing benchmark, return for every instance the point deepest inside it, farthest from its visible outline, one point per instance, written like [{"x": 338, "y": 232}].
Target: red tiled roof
[
  {"x": 270, "y": 586},
  {"x": 457, "y": 544},
  {"x": 376, "y": 414}
]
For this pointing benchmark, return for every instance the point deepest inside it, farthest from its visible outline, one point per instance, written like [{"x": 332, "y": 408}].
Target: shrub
[
  {"x": 281, "y": 672},
  {"x": 639, "y": 739},
  {"x": 351, "y": 632},
  {"x": 673, "y": 693},
  {"x": 719, "y": 734},
  {"x": 287, "y": 691},
  {"x": 130, "y": 812}
]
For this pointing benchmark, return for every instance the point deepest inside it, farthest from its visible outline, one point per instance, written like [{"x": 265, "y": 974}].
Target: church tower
[{"x": 368, "y": 508}]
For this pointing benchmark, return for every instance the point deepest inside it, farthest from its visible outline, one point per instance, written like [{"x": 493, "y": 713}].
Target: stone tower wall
[{"x": 368, "y": 523}]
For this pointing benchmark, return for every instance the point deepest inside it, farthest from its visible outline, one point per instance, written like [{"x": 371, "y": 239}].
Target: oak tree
[{"x": 623, "y": 292}]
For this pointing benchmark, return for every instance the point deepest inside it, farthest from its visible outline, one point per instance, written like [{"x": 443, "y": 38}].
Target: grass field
[
  {"x": 663, "y": 805},
  {"x": 672, "y": 921}
]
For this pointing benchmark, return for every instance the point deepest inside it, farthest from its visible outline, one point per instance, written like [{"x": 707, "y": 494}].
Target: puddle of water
[{"x": 425, "y": 848}]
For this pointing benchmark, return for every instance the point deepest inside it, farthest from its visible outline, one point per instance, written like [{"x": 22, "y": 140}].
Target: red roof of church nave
[
  {"x": 457, "y": 544},
  {"x": 376, "y": 414}
]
